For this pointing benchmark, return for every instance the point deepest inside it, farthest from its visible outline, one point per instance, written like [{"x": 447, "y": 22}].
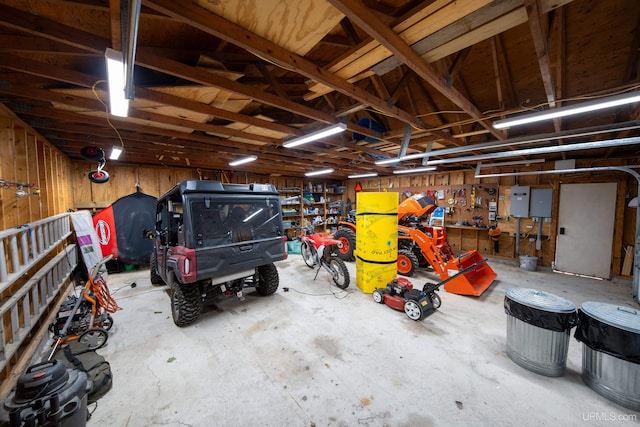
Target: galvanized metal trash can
[
  {"x": 538, "y": 330},
  {"x": 610, "y": 336}
]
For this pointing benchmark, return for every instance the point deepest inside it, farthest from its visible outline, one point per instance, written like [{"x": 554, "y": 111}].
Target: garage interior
[{"x": 420, "y": 94}]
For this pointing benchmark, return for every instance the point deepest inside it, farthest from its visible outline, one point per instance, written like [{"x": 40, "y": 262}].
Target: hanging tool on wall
[
  {"x": 494, "y": 235},
  {"x": 472, "y": 205}
]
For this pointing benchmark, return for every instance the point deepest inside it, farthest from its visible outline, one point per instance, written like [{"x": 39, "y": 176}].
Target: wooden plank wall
[
  {"x": 123, "y": 180},
  {"x": 26, "y": 157},
  {"x": 624, "y": 221}
]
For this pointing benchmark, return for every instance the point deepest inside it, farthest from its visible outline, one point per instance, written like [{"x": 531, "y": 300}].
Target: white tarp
[{"x": 88, "y": 240}]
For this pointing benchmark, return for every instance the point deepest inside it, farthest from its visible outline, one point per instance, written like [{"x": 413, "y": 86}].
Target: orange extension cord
[{"x": 101, "y": 291}]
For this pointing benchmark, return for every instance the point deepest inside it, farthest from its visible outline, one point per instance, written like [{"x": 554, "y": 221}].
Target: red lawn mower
[{"x": 401, "y": 295}]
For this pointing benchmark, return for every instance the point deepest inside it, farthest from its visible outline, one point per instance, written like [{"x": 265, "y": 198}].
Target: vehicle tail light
[{"x": 284, "y": 247}]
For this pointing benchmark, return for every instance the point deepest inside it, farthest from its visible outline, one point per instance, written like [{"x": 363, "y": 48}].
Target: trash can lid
[
  {"x": 625, "y": 318},
  {"x": 541, "y": 300}
]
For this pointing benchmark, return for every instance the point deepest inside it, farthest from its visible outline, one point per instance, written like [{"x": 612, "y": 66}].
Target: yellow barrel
[{"x": 376, "y": 240}]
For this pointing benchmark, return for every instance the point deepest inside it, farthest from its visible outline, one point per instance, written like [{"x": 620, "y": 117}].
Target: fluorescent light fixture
[
  {"x": 541, "y": 150},
  {"x": 363, "y": 175},
  {"x": 545, "y": 137},
  {"x": 584, "y": 107},
  {"x": 404, "y": 158},
  {"x": 416, "y": 170},
  {"x": 118, "y": 104},
  {"x": 314, "y": 136},
  {"x": 627, "y": 169},
  {"x": 319, "y": 172},
  {"x": 243, "y": 160},
  {"x": 515, "y": 162},
  {"x": 115, "y": 152}
]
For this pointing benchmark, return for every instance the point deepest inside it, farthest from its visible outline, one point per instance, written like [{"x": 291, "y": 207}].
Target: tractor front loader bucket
[{"x": 469, "y": 274}]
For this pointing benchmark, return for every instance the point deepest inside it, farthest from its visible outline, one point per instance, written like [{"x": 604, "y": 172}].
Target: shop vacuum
[{"x": 49, "y": 394}]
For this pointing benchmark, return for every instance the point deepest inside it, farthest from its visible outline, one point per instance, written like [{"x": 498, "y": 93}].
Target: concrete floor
[{"x": 318, "y": 356}]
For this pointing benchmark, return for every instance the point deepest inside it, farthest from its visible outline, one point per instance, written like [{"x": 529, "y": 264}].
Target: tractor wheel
[
  {"x": 435, "y": 300},
  {"x": 339, "y": 272},
  {"x": 307, "y": 254},
  {"x": 94, "y": 338},
  {"x": 348, "y": 239},
  {"x": 186, "y": 304},
  {"x": 413, "y": 310},
  {"x": 378, "y": 296},
  {"x": 268, "y": 280},
  {"x": 156, "y": 279},
  {"x": 407, "y": 262}
]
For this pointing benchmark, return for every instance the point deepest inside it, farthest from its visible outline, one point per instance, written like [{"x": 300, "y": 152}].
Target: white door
[{"x": 585, "y": 229}]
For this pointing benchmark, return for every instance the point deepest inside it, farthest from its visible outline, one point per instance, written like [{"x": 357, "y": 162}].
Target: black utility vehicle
[{"x": 216, "y": 239}]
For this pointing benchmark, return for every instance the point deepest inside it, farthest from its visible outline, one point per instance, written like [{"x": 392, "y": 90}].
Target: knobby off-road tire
[
  {"x": 348, "y": 239},
  {"x": 339, "y": 272},
  {"x": 186, "y": 304},
  {"x": 268, "y": 280},
  {"x": 156, "y": 279},
  {"x": 407, "y": 262}
]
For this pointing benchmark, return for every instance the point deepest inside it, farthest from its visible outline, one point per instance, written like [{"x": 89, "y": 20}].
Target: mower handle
[{"x": 97, "y": 269}]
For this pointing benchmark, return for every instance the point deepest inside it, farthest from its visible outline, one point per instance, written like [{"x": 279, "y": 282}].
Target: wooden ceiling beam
[
  {"x": 456, "y": 67},
  {"x": 38, "y": 25},
  {"x": 93, "y": 104},
  {"x": 38, "y": 45},
  {"x": 502, "y": 53},
  {"x": 76, "y": 78},
  {"x": 369, "y": 22},
  {"x": 539, "y": 37},
  {"x": 311, "y": 152},
  {"x": 268, "y": 75},
  {"x": 215, "y": 25},
  {"x": 496, "y": 73},
  {"x": 632, "y": 70},
  {"x": 149, "y": 60},
  {"x": 116, "y": 25}
]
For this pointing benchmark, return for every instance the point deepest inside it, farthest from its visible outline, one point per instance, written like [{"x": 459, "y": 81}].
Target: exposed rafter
[{"x": 364, "y": 18}]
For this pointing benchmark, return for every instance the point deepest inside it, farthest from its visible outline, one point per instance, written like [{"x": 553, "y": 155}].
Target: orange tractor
[{"x": 427, "y": 246}]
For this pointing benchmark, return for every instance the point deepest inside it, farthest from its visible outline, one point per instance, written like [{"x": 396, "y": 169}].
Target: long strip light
[
  {"x": 319, "y": 172},
  {"x": 243, "y": 160},
  {"x": 515, "y": 162},
  {"x": 584, "y": 107},
  {"x": 363, "y": 175},
  {"x": 594, "y": 130},
  {"x": 118, "y": 103},
  {"x": 416, "y": 170},
  {"x": 628, "y": 169},
  {"x": 314, "y": 136},
  {"x": 540, "y": 150}
]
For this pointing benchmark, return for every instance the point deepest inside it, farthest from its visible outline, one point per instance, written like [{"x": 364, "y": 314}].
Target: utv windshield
[{"x": 222, "y": 222}]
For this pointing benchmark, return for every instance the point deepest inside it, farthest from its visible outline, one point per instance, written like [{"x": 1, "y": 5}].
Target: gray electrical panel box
[
  {"x": 541, "y": 201},
  {"x": 519, "y": 201}
]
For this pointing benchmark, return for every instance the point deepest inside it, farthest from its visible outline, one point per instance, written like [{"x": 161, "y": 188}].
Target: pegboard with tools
[{"x": 468, "y": 204}]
